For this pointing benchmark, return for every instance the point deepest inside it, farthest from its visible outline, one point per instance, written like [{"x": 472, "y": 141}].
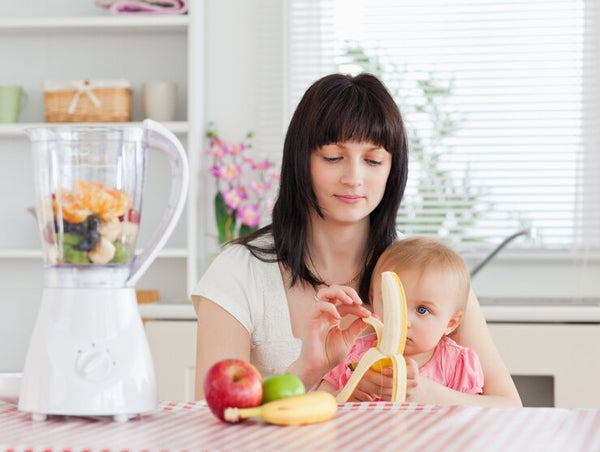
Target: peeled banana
[
  {"x": 391, "y": 339},
  {"x": 310, "y": 408}
]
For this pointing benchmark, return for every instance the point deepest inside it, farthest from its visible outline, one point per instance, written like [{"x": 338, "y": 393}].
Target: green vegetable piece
[
  {"x": 72, "y": 239},
  {"x": 121, "y": 254},
  {"x": 75, "y": 256}
]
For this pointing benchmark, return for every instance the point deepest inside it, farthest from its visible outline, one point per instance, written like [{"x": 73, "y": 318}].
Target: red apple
[{"x": 232, "y": 383}]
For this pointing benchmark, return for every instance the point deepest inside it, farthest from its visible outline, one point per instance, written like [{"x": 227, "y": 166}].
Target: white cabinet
[
  {"x": 567, "y": 353},
  {"x": 66, "y": 40},
  {"x": 173, "y": 347},
  {"x": 560, "y": 358}
]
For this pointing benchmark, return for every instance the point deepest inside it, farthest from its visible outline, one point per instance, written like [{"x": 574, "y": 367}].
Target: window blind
[{"x": 499, "y": 99}]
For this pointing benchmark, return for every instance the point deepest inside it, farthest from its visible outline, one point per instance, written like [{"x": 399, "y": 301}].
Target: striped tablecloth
[{"x": 378, "y": 426}]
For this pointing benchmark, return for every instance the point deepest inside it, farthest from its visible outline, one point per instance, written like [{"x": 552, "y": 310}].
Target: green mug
[{"x": 12, "y": 100}]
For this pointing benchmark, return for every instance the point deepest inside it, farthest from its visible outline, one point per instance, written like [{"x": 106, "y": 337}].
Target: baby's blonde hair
[{"x": 422, "y": 253}]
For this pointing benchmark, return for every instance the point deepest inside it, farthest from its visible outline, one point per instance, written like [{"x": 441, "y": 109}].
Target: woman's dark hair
[{"x": 335, "y": 109}]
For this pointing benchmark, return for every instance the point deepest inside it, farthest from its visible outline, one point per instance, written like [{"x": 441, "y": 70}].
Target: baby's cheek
[{"x": 378, "y": 305}]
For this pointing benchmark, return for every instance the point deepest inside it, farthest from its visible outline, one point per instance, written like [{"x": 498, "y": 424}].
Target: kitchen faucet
[{"x": 527, "y": 231}]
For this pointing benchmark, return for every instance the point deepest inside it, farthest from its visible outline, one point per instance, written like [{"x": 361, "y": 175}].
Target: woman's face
[{"x": 349, "y": 179}]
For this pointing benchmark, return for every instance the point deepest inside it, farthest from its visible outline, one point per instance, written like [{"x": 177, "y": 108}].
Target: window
[{"x": 499, "y": 98}]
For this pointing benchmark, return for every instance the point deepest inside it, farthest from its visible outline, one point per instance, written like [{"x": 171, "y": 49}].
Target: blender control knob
[{"x": 94, "y": 365}]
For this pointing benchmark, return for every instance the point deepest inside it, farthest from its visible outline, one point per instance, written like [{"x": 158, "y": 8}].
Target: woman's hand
[{"x": 324, "y": 342}]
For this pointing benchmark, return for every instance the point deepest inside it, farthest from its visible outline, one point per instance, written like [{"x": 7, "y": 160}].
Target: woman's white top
[{"x": 253, "y": 292}]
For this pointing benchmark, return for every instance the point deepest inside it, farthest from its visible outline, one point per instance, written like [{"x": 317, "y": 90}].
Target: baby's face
[{"x": 431, "y": 301}]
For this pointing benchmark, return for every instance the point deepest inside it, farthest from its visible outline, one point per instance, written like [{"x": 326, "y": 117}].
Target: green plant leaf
[
  {"x": 226, "y": 220},
  {"x": 245, "y": 230}
]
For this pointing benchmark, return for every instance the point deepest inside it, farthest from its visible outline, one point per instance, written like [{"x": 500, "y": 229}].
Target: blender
[{"x": 88, "y": 354}]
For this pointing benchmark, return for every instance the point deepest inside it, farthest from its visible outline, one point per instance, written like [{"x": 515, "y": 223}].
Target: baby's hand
[
  {"x": 374, "y": 386},
  {"x": 412, "y": 378}
]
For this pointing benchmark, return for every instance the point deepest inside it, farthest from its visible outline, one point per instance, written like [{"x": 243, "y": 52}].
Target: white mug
[{"x": 160, "y": 100}]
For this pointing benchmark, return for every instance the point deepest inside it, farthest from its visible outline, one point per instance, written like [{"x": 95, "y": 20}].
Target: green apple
[{"x": 279, "y": 386}]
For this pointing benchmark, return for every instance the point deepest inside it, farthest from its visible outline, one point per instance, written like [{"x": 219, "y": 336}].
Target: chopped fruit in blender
[
  {"x": 48, "y": 235},
  {"x": 103, "y": 252},
  {"x": 88, "y": 198},
  {"x": 72, "y": 239},
  {"x": 130, "y": 231},
  {"x": 121, "y": 254},
  {"x": 75, "y": 256},
  {"x": 89, "y": 241},
  {"x": 95, "y": 223},
  {"x": 111, "y": 230},
  {"x": 91, "y": 235},
  {"x": 107, "y": 202},
  {"x": 74, "y": 228},
  {"x": 133, "y": 216},
  {"x": 72, "y": 209}
]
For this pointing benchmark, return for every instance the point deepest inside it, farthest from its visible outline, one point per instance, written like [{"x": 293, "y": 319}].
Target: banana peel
[{"x": 391, "y": 340}]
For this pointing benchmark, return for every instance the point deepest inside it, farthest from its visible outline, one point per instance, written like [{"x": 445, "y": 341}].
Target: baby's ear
[{"x": 454, "y": 322}]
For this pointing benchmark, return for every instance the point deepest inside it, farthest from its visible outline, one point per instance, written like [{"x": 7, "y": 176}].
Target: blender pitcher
[{"x": 88, "y": 353}]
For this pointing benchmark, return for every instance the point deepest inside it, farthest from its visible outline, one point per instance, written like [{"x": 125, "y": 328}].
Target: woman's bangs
[{"x": 356, "y": 122}]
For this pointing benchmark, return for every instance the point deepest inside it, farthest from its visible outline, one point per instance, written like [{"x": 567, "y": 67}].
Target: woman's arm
[
  {"x": 430, "y": 392},
  {"x": 498, "y": 388},
  {"x": 220, "y": 336}
]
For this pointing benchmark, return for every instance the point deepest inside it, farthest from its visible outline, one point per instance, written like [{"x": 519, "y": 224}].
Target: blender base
[{"x": 88, "y": 356}]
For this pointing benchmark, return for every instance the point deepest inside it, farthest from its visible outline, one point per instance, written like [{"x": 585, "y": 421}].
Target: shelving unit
[
  {"x": 104, "y": 22},
  {"x": 77, "y": 41},
  {"x": 18, "y": 129}
]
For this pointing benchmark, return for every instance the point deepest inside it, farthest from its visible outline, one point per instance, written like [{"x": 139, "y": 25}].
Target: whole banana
[
  {"x": 310, "y": 408},
  {"x": 391, "y": 339}
]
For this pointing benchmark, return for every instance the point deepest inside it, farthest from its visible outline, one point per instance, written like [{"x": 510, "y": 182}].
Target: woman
[{"x": 276, "y": 299}]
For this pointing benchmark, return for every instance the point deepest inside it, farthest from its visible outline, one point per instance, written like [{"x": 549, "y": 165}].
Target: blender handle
[{"x": 160, "y": 138}]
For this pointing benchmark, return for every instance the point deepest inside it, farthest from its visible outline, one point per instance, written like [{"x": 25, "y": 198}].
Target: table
[{"x": 380, "y": 426}]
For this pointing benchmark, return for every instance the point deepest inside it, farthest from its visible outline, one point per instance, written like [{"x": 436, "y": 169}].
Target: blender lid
[{"x": 83, "y": 132}]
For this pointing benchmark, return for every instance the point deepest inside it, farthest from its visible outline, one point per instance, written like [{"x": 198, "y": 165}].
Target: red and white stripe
[{"x": 367, "y": 426}]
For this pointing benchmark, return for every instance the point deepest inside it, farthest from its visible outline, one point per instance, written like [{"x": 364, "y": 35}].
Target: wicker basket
[{"x": 87, "y": 101}]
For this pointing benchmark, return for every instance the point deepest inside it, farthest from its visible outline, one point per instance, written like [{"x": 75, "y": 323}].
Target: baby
[{"x": 436, "y": 283}]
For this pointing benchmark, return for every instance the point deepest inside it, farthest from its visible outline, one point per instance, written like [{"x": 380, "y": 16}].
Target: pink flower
[
  {"x": 260, "y": 187},
  {"x": 242, "y": 191},
  {"x": 215, "y": 140},
  {"x": 249, "y": 215},
  {"x": 230, "y": 172},
  {"x": 232, "y": 198},
  {"x": 264, "y": 165},
  {"x": 236, "y": 149},
  {"x": 274, "y": 175},
  {"x": 246, "y": 186},
  {"x": 217, "y": 151}
]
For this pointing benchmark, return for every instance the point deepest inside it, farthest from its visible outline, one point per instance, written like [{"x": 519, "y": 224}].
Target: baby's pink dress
[{"x": 451, "y": 365}]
